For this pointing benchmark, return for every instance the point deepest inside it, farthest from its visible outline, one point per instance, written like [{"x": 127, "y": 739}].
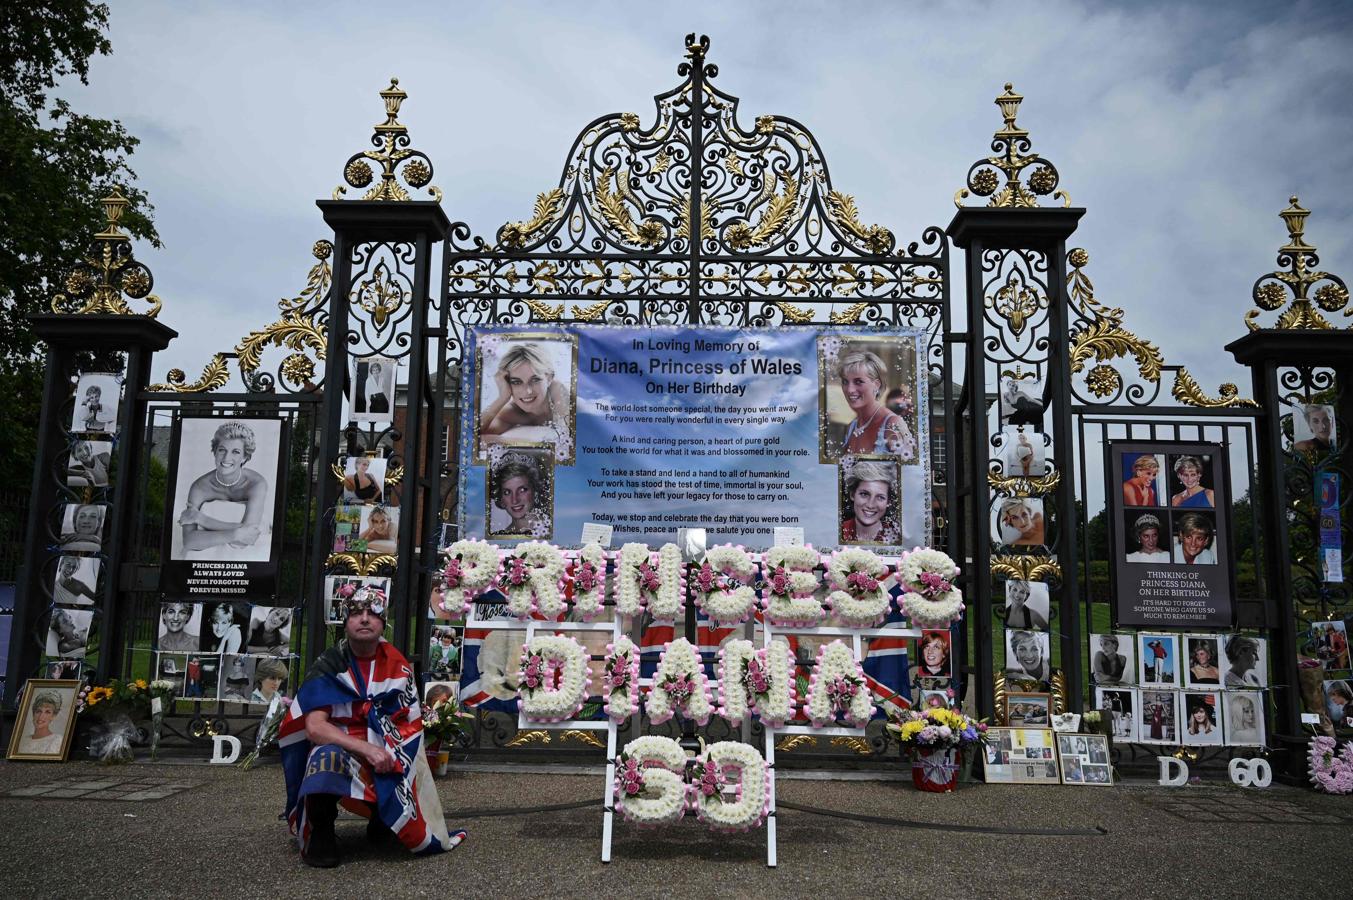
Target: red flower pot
[{"x": 936, "y": 770}]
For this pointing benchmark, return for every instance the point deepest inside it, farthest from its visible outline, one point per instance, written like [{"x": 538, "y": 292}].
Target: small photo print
[
  {"x": 76, "y": 581},
  {"x": 435, "y": 692},
  {"x": 1028, "y": 654},
  {"x": 1084, "y": 758},
  {"x": 364, "y": 480},
  {"x": 347, "y": 527},
  {"x": 1202, "y": 719},
  {"x": 379, "y": 529},
  {"x": 1245, "y": 662},
  {"x": 528, "y": 385},
  {"x": 1244, "y": 718},
  {"x": 1147, "y": 534},
  {"x": 932, "y": 655},
  {"x": 1195, "y": 535},
  {"x": 1021, "y": 401},
  {"x": 63, "y": 669},
  {"x": 82, "y": 528},
  {"x": 1191, "y": 482},
  {"x": 444, "y": 653},
  {"x": 1314, "y": 428},
  {"x": 1158, "y": 717},
  {"x": 87, "y": 465},
  {"x": 934, "y": 699},
  {"x": 1018, "y": 522},
  {"x": 1023, "y": 453},
  {"x": 97, "y": 396},
  {"x": 1339, "y": 702},
  {"x": 1027, "y": 605},
  {"x": 1202, "y": 665},
  {"x": 373, "y": 392},
  {"x": 1158, "y": 656},
  {"x": 197, "y": 668},
  {"x": 1111, "y": 658},
  {"x": 180, "y": 629},
  {"x": 270, "y": 630},
  {"x": 869, "y": 501},
  {"x": 172, "y": 667},
  {"x": 45, "y": 721},
  {"x": 223, "y": 626},
  {"x": 270, "y": 678},
  {"x": 68, "y": 633},
  {"x": 520, "y": 493},
  {"x": 1121, "y": 704},
  {"x": 1143, "y": 484},
  {"x": 1028, "y": 710},
  {"x": 1330, "y": 641},
  {"x": 237, "y": 678}
]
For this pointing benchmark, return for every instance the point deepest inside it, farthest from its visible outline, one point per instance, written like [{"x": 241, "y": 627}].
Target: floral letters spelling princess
[
  {"x": 679, "y": 686},
  {"x": 789, "y": 584},
  {"x": 837, "y": 689},
  {"x": 531, "y": 581},
  {"x": 620, "y": 688},
  {"x": 710, "y": 777},
  {"x": 588, "y": 572},
  {"x": 728, "y": 786},
  {"x": 858, "y": 598},
  {"x": 639, "y": 583},
  {"x": 469, "y": 569},
  {"x": 931, "y": 600},
  {"x": 723, "y": 586},
  {"x": 553, "y": 678},
  {"x": 650, "y": 785},
  {"x": 756, "y": 680}
]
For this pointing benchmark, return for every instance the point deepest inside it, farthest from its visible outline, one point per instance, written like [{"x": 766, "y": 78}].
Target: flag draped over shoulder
[{"x": 377, "y": 702}]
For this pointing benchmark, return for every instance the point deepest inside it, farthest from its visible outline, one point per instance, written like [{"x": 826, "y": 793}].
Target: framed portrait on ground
[
  {"x": 88, "y": 463},
  {"x": 44, "y": 722},
  {"x": 1023, "y": 453},
  {"x": 1244, "y": 662},
  {"x": 1314, "y": 429},
  {"x": 364, "y": 480},
  {"x": 1028, "y": 654},
  {"x": 82, "y": 527},
  {"x": 1027, "y": 605},
  {"x": 1158, "y": 717},
  {"x": 1121, "y": 704},
  {"x": 180, "y": 628},
  {"x": 225, "y": 529},
  {"x": 867, "y": 395},
  {"x": 76, "y": 581},
  {"x": 1243, "y": 718},
  {"x": 1020, "y": 756},
  {"x": 1112, "y": 658},
  {"x": 520, "y": 493},
  {"x": 1084, "y": 759},
  {"x": 869, "y": 501},
  {"x": 1201, "y": 724},
  {"x": 1028, "y": 710},
  {"x": 373, "y": 390},
  {"x": 1339, "y": 702},
  {"x": 528, "y": 390},
  {"x": 1202, "y": 661},
  {"x": 1158, "y": 659},
  {"x": 97, "y": 397},
  {"x": 1170, "y": 534},
  {"x": 1021, "y": 400},
  {"x": 378, "y": 529},
  {"x": 1329, "y": 644},
  {"x": 68, "y": 633}
]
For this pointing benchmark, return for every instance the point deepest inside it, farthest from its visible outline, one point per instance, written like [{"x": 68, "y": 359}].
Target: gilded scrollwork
[
  {"x": 1290, "y": 285},
  {"x": 1187, "y": 391},
  {"x": 1013, "y": 154},
  {"x": 1026, "y": 567},
  {"x": 393, "y": 155},
  {"x": 108, "y": 272},
  {"x": 1022, "y": 486}
]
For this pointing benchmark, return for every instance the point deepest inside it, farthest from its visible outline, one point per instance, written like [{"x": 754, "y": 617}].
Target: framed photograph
[
  {"x": 520, "y": 493},
  {"x": 76, "y": 581},
  {"x": 97, "y": 398},
  {"x": 1112, "y": 658},
  {"x": 180, "y": 628},
  {"x": 378, "y": 529},
  {"x": 1158, "y": 659},
  {"x": 68, "y": 633},
  {"x": 82, "y": 527},
  {"x": 1202, "y": 662},
  {"x": 88, "y": 463},
  {"x": 269, "y": 631},
  {"x": 373, "y": 390},
  {"x": 869, "y": 501},
  {"x": 1027, "y": 605},
  {"x": 528, "y": 392},
  {"x": 1020, "y": 756},
  {"x": 444, "y": 653},
  {"x": 1202, "y": 725},
  {"x": 364, "y": 480},
  {"x": 1158, "y": 717},
  {"x": 1195, "y": 538},
  {"x": 1028, "y": 710},
  {"x": 1244, "y": 662},
  {"x": 932, "y": 655},
  {"x": 1329, "y": 642},
  {"x": 1084, "y": 759},
  {"x": 1028, "y": 654},
  {"x": 1244, "y": 718},
  {"x": 63, "y": 669},
  {"x": 172, "y": 667},
  {"x": 1121, "y": 704},
  {"x": 1018, "y": 522},
  {"x": 44, "y": 723},
  {"x": 1021, "y": 400},
  {"x": 271, "y": 675},
  {"x": 1147, "y": 536},
  {"x": 224, "y": 623},
  {"x": 867, "y": 398},
  {"x": 1314, "y": 428},
  {"x": 347, "y": 527},
  {"x": 1339, "y": 702},
  {"x": 1023, "y": 453}
]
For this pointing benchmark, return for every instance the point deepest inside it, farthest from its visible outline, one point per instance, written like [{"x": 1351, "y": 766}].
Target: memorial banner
[
  {"x": 738, "y": 431},
  {"x": 1169, "y": 535}
]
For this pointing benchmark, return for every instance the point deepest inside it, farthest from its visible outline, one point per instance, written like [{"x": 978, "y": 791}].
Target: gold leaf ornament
[{"x": 547, "y": 208}]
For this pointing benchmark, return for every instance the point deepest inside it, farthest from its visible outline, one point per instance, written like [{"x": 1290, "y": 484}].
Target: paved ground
[{"x": 196, "y": 831}]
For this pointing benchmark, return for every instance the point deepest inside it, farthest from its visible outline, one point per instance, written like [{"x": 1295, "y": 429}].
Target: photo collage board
[
  {"x": 230, "y": 651},
  {"x": 1031, "y": 755}
]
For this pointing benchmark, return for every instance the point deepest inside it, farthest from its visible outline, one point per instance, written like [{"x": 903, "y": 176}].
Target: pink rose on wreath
[
  {"x": 585, "y": 577},
  {"x": 648, "y": 579},
  {"x": 933, "y": 585},
  {"x": 533, "y": 672},
  {"x": 679, "y": 688},
  {"x": 631, "y": 777},
  {"x": 452, "y": 574},
  {"x": 712, "y": 780},
  {"x": 705, "y": 578},
  {"x": 779, "y": 581},
  {"x": 757, "y": 678},
  {"x": 840, "y": 691},
  {"x": 516, "y": 575},
  {"x": 862, "y": 582}
]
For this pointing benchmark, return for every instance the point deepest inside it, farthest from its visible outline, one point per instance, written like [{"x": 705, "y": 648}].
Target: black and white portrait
[
  {"x": 364, "y": 480},
  {"x": 1244, "y": 662},
  {"x": 76, "y": 581},
  {"x": 1313, "y": 428},
  {"x": 1021, "y": 401},
  {"x": 68, "y": 632},
  {"x": 225, "y": 489},
  {"x": 1202, "y": 719},
  {"x": 82, "y": 527},
  {"x": 87, "y": 465},
  {"x": 237, "y": 678},
  {"x": 373, "y": 392},
  {"x": 270, "y": 630},
  {"x": 1121, "y": 706},
  {"x": 173, "y": 668},
  {"x": 528, "y": 385},
  {"x": 1027, "y": 605},
  {"x": 1023, "y": 453},
  {"x": 1028, "y": 654},
  {"x": 520, "y": 494},
  {"x": 1111, "y": 659},
  {"x": 180, "y": 627},
  {"x": 1243, "y": 712},
  {"x": 97, "y": 397},
  {"x": 223, "y": 626},
  {"x": 63, "y": 668}
]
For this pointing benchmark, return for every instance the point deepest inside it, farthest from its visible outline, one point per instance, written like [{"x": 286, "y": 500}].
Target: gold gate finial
[
  {"x": 1011, "y": 145},
  {"x": 394, "y": 156},
  {"x": 107, "y": 271},
  {"x": 1296, "y": 278}
]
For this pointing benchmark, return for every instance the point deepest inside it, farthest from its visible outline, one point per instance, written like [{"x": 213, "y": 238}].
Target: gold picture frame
[
  {"x": 887, "y": 537},
  {"x": 900, "y": 357},
  {"x": 1028, "y": 709},
  {"x": 22, "y": 743}
]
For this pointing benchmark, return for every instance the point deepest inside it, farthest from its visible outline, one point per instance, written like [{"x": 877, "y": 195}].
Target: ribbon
[{"x": 936, "y": 766}]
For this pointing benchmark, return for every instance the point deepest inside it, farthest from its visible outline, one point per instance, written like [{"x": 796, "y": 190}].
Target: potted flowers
[
  {"x": 444, "y": 722},
  {"x": 934, "y": 738}
]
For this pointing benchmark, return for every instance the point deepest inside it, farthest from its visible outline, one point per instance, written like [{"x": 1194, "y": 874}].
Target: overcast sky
[{"x": 1182, "y": 129}]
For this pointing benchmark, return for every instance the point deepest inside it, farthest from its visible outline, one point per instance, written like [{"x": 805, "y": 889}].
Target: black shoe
[
  {"x": 322, "y": 853},
  {"x": 377, "y": 834}
]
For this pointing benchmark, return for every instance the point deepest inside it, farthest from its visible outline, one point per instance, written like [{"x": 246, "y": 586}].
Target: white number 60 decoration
[{"x": 1250, "y": 772}]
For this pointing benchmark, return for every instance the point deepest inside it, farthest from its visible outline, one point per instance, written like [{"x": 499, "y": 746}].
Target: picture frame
[
  {"x": 1083, "y": 760},
  {"x": 1028, "y": 710},
  {"x": 1020, "y": 756},
  {"x": 519, "y": 493},
  {"x": 525, "y": 353},
  {"x": 1158, "y": 659},
  {"x": 45, "y": 721},
  {"x": 897, "y": 394},
  {"x": 875, "y": 500}
]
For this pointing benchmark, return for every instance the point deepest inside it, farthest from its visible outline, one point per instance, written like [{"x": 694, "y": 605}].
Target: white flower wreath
[
  {"x": 733, "y": 700},
  {"x": 662, "y": 794},
  {"x": 724, "y": 566},
  {"x": 930, "y": 600},
  {"x": 751, "y": 801},
  {"x": 589, "y": 567},
  {"x": 470, "y": 568},
  {"x": 622, "y": 661},
  {"x": 546, "y": 702},
  {"x": 670, "y": 599},
  {"x": 531, "y": 581},
  {"x": 759, "y": 681},
  {"x": 858, "y": 598},
  {"x": 789, "y": 587},
  {"x": 777, "y": 705},
  {"x": 836, "y": 664},
  {"x": 638, "y": 583},
  {"x": 679, "y": 663}
]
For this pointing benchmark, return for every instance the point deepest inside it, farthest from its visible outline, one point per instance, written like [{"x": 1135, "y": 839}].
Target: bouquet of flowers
[
  {"x": 446, "y": 720},
  {"x": 120, "y": 704},
  {"x": 267, "y": 729},
  {"x": 936, "y": 728}
]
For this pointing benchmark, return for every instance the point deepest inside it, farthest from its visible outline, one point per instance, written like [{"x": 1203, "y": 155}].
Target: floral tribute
[
  {"x": 553, "y": 680},
  {"x": 470, "y": 568},
  {"x": 620, "y": 681},
  {"x": 588, "y": 573},
  {"x": 859, "y": 597},
  {"x": 1331, "y": 765},
  {"x": 723, "y": 585},
  {"x": 936, "y": 728},
  {"x": 756, "y": 680},
  {"x": 532, "y": 581},
  {"x": 730, "y": 787},
  {"x": 650, "y": 784},
  {"x": 679, "y": 686},
  {"x": 930, "y": 599},
  {"x": 837, "y": 689},
  {"x": 640, "y": 582},
  {"x": 789, "y": 585}
]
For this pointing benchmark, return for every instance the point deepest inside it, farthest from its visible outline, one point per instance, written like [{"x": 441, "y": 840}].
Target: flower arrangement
[
  {"x": 650, "y": 788},
  {"x": 723, "y": 585},
  {"x": 639, "y": 582},
  {"x": 532, "y": 581},
  {"x": 733, "y": 700},
  {"x": 119, "y": 704},
  {"x": 750, "y": 801},
  {"x": 930, "y": 599},
  {"x": 470, "y": 568},
  {"x": 553, "y": 680},
  {"x": 935, "y": 728},
  {"x": 1331, "y": 766},
  {"x": 267, "y": 730},
  {"x": 837, "y": 690},
  {"x": 679, "y": 686},
  {"x": 858, "y": 598},
  {"x": 588, "y": 572},
  {"x": 620, "y": 681},
  {"x": 446, "y": 720},
  {"x": 789, "y": 585}
]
